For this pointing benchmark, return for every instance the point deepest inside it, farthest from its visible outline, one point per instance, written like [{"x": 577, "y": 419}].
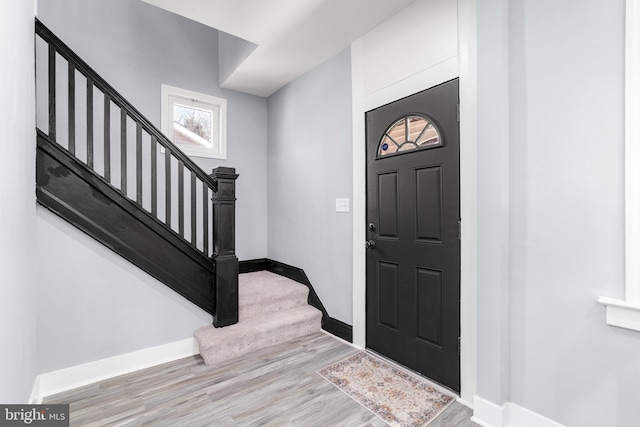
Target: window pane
[
  {"x": 429, "y": 136},
  {"x": 192, "y": 126},
  {"x": 195, "y": 122},
  {"x": 407, "y": 134},
  {"x": 387, "y": 146}
]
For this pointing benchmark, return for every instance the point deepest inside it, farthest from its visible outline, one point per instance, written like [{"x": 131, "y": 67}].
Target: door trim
[{"x": 464, "y": 67}]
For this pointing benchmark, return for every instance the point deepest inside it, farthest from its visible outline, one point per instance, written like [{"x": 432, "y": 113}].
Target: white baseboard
[
  {"x": 341, "y": 340},
  {"x": 465, "y": 402},
  {"x": 77, "y": 376},
  {"x": 35, "y": 397},
  {"x": 488, "y": 414},
  {"x": 518, "y": 416}
]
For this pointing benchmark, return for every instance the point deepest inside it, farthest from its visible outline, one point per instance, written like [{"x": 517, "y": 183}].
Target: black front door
[{"x": 413, "y": 211}]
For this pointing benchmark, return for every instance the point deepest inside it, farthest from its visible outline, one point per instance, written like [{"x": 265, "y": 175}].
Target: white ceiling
[{"x": 292, "y": 36}]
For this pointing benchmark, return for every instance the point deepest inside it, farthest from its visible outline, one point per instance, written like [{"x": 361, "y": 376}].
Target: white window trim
[
  {"x": 626, "y": 313},
  {"x": 167, "y": 121}
]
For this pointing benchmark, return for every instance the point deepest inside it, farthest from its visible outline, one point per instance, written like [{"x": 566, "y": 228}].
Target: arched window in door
[{"x": 409, "y": 133}]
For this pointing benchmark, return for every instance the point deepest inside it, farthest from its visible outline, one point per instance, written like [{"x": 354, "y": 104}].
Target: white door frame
[{"x": 463, "y": 66}]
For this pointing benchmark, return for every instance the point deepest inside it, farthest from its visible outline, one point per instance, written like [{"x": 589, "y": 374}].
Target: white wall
[
  {"x": 550, "y": 193},
  {"x": 17, "y": 207},
  {"x": 567, "y": 74},
  {"x": 309, "y": 166},
  {"x": 93, "y": 304},
  {"x": 413, "y": 42},
  {"x": 105, "y": 306},
  {"x": 493, "y": 200},
  {"x": 565, "y": 207},
  {"x": 137, "y": 47}
]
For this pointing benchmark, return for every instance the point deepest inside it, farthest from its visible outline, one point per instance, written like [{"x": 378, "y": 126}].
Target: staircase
[
  {"x": 272, "y": 309},
  {"x": 106, "y": 169},
  {"x": 117, "y": 178}
]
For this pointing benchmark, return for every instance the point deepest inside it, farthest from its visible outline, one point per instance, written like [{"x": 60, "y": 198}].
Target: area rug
[{"x": 394, "y": 395}]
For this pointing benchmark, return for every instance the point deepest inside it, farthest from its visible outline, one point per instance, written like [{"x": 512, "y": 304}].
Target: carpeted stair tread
[
  {"x": 219, "y": 344},
  {"x": 262, "y": 292}
]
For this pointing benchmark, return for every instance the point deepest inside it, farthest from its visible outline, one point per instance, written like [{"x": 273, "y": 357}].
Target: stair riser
[
  {"x": 273, "y": 310},
  {"x": 248, "y": 310},
  {"x": 227, "y": 350}
]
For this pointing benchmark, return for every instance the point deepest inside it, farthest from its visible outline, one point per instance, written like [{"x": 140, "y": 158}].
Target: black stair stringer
[{"x": 70, "y": 189}]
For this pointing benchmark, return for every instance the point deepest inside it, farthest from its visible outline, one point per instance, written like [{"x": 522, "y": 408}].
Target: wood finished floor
[{"x": 276, "y": 386}]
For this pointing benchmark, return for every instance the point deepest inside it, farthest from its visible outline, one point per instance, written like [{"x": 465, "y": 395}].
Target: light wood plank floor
[{"x": 276, "y": 386}]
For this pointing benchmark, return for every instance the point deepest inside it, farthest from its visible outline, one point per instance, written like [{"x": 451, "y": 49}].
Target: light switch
[{"x": 342, "y": 205}]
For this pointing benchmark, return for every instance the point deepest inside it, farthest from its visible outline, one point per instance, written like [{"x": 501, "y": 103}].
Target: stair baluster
[{"x": 210, "y": 246}]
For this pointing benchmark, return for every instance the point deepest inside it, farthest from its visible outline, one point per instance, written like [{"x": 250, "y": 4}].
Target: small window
[
  {"x": 409, "y": 133},
  {"x": 195, "y": 122}
]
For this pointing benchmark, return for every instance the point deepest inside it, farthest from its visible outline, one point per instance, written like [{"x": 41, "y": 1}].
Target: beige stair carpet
[{"x": 272, "y": 309}]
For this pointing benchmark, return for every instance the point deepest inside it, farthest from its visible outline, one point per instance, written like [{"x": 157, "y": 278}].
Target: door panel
[
  {"x": 429, "y": 204},
  {"x": 429, "y": 305},
  {"x": 388, "y": 297},
  {"x": 388, "y": 204},
  {"x": 413, "y": 204}
]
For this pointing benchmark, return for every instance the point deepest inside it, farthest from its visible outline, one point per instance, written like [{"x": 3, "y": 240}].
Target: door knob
[
  {"x": 370, "y": 243},
  {"x": 372, "y": 226}
]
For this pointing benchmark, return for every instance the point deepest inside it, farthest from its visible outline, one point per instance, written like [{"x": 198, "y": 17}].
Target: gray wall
[
  {"x": 309, "y": 166},
  {"x": 94, "y": 304},
  {"x": 17, "y": 206},
  {"x": 105, "y": 306},
  {"x": 137, "y": 47},
  {"x": 566, "y": 207}
]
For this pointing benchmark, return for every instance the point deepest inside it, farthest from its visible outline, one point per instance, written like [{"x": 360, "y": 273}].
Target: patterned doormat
[{"x": 396, "y": 396}]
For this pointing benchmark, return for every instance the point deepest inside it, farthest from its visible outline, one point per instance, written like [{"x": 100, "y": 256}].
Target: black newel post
[{"x": 224, "y": 247}]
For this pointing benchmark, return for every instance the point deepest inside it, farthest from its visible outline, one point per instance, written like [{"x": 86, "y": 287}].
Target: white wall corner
[
  {"x": 468, "y": 70},
  {"x": 465, "y": 402},
  {"x": 487, "y": 413},
  {"x": 359, "y": 197},
  {"x": 55, "y": 382}
]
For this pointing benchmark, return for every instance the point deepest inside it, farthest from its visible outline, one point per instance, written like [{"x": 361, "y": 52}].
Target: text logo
[{"x": 34, "y": 415}]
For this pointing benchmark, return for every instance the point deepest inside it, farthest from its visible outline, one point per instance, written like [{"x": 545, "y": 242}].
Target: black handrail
[
  {"x": 127, "y": 110},
  {"x": 60, "y": 47},
  {"x": 218, "y": 189}
]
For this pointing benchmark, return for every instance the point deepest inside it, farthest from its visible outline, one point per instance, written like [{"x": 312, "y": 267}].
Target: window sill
[
  {"x": 202, "y": 152},
  {"x": 622, "y": 314}
]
